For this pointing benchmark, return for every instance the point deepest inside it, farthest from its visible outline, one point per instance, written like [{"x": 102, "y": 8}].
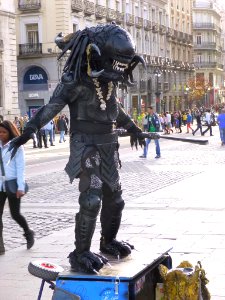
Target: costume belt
[{"x": 95, "y": 139}]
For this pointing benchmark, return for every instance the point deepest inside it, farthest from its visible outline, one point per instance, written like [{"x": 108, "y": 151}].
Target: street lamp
[
  {"x": 206, "y": 97},
  {"x": 157, "y": 73}
]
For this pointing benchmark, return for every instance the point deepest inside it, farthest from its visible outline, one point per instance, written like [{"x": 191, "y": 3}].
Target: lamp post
[
  {"x": 206, "y": 97},
  {"x": 157, "y": 73}
]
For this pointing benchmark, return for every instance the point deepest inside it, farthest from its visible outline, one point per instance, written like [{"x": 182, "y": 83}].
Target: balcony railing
[
  {"x": 24, "y": 5},
  {"x": 169, "y": 32},
  {"x": 205, "y": 45},
  {"x": 129, "y": 19},
  {"x": 138, "y": 22},
  {"x": 205, "y": 64},
  {"x": 207, "y": 26},
  {"x": 30, "y": 49},
  {"x": 77, "y": 5},
  {"x": 89, "y": 8},
  {"x": 100, "y": 11},
  {"x": 162, "y": 29},
  {"x": 155, "y": 27},
  {"x": 111, "y": 15},
  {"x": 147, "y": 25},
  {"x": 119, "y": 17}
]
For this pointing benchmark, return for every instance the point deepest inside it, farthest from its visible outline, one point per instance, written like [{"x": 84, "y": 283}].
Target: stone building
[
  {"x": 208, "y": 49},
  {"x": 161, "y": 29},
  {"x": 8, "y": 64}
]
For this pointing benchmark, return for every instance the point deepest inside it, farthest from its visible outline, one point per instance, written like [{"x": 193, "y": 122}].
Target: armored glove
[{"x": 136, "y": 137}]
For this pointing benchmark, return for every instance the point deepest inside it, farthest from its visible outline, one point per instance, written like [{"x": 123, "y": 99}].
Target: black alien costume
[{"x": 99, "y": 58}]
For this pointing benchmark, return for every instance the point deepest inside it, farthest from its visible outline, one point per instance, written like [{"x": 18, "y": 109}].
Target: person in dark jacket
[
  {"x": 62, "y": 128},
  {"x": 199, "y": 123}
]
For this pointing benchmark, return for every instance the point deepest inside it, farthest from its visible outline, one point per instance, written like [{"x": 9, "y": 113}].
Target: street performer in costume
[{"x": 99, "y": 58}]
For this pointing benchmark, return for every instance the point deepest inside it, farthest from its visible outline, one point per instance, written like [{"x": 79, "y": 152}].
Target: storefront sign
[
  {"x": 35, "y": 75},
  {"x": 33, "y": 95}
]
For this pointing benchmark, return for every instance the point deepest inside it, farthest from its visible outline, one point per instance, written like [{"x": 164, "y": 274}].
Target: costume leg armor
[
  {"x": 81, "y": 259},
  {"x": 111, "y": 214}
]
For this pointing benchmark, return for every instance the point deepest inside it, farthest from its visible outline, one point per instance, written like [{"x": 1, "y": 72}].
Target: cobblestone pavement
[{"x": 52, "y": 191}]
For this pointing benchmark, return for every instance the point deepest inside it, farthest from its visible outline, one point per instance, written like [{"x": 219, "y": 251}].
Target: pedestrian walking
[
  {"x": 153, "y": 126},
  {"x": 62, "y": 127},
  {"x": 199, "y": 123},
  {"x": 12, "y": 169},
  {"x": 189, "y": 122},
  {"x": 221, "y": 122},
  {"x": 208, "y": 120}
]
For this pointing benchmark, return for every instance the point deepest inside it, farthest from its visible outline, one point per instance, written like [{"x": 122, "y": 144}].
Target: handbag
[{"x": 11, "y": 185}]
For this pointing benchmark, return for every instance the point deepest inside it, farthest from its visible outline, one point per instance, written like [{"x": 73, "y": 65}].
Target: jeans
[
  {"x": 199, "y": 126},
  {"x": 209, "y": 127},
  {"x": 49, "y": 132},
  {"x": 62, "y": 138},
  {"x": 157, "y": 148},
  {"x": 222, "y": 135}
]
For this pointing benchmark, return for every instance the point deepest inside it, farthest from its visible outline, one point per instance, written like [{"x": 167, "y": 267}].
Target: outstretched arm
[{"x": 59, "y": 99}]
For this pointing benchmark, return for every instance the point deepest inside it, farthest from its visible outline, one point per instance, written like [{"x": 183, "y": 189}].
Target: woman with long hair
[{"x": 14, "y": 169}]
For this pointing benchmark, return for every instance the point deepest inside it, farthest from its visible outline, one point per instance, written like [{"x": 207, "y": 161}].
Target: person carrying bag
[{"x": 12, "y": 182}]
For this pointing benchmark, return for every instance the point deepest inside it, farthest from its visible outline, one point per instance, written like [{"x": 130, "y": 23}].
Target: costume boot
[
  {"x": 29, "y": 235},
  {"x": 111, "y": 215},
  {"x": 82, "y": 259}
]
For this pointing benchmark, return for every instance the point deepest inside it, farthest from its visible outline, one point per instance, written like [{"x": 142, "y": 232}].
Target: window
[
  {"x": 199, "y": 57},
  {"x": 32, "y": 34},
  {"x": 199, "y": 39}
]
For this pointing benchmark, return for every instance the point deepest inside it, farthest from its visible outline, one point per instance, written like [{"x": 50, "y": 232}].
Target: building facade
[
  {"x": 8, "y": 61},
  {"x": 162, "y": 30},
  {"x": 208, "y": 49}
]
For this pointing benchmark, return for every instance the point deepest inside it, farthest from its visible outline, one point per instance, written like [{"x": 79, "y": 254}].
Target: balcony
[
  {"x": 206, "y": 26},
  {"x": 26, "y": 5},
  {"x": 119, "y": 17},
  {"x": 206, "y": 65},
  {"x": 155, "y": 27},
  {"x": 147, "y": 25},
  {"x": 175, "y": 34},
  {"x": 169, "y": 32},
  {"x": 189, "y": 39},
  {"x": 89, "y": 8},
  {"x": 1, "y": 46},
  {"x": 180, "y": 36},
  {"x": 162, "y": 29},
  {"x": 111, "y": 15},
  {"x": 138, "y": 22},
  {"x": 100, "y": 11},
  {"x": 30, "y": 49},
  {"x": 77, "y": 5},
  {"x": 205, "y": 46},
  {"x": 129, "y": 19}
]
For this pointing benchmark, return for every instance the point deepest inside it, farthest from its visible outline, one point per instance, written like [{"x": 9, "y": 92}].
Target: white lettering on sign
[
  {"x": 33, "y": 95},
  {"x": 36, "y": 77}
]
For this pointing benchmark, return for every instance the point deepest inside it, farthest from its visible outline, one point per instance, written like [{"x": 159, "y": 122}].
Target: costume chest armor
[{"x": 86, "y": 107}]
